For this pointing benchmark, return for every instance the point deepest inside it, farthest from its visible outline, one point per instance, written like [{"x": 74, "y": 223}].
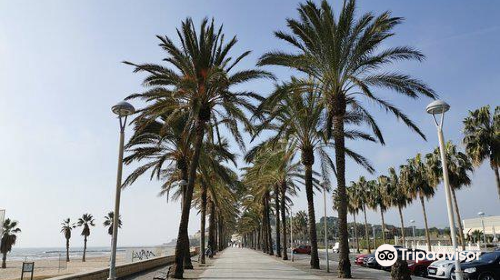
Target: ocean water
[{"x": 21, "y": 254}]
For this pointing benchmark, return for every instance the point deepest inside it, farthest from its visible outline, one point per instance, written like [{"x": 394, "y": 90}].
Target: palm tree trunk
[
  {"x": 187, "y": 257},
  {"x": 67, "y": 249},
  {"x": 312, "y": 219},
  {"x": 265, "y": 241},
  {"x": 402, "y": 225},
  {"x": 269, "y": 231},
  {"x": 211, "y": 230},
  {"x": 84, "y": 248},
  {"x": 344, "y": 267},
  {"x": 356, "y": 233},
  {"x": 4, "y": 260},
  {"x": 383, "y": 226},
  {"x": 278, "y": 233},
  {"x": 427, "y": 235},
  {"x": 203, "y": 221},
  {"x": 283, "y": 219},
  {"x": 180, "y": 250},
  {"x": 221, "y": 233},
  {"x": 459, "y": 220},
  {"x": 259, "y": 239},
  {"x": 497, "y": 176},
  {"x": 367, "y": 236}
]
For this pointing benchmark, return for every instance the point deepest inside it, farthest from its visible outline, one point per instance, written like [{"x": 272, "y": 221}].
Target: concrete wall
[{"x": 124, "y": 269}]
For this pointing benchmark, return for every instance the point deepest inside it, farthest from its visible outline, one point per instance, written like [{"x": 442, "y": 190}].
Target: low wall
[{"x": 124, "y": 269}]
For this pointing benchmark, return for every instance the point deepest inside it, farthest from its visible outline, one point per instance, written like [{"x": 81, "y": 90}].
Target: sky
[{"x": 61, "y": 71}]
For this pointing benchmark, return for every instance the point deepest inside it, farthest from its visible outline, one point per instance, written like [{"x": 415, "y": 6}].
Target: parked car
[
  {"x": 419, "y": 268},
  {"x": 302, "y": 249},
  {"x": 442, "y": 269},
  {"x": 370, "y": 261},
  {"x": 486, "y": 268},
  {"x": 359, "y": 259}
]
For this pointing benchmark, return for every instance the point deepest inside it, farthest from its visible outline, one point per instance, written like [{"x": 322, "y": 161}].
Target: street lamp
[
  {"x": 324, "y": 184},
  {"x": 123, "y": 110},
  {"x": 481, "y": 214},
  {"x": 439, "y": 107},
  {"x": 413, "y": 228}
]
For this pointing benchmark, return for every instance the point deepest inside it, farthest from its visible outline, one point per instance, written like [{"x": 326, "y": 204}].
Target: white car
[{"x": 442, "y": 269}]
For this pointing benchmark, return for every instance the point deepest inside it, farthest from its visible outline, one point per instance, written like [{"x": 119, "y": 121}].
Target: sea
[{"x": 29, "y": 254}]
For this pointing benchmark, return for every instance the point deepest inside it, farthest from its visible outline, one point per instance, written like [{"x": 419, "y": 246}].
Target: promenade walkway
[{"x": 241, "y": 263}]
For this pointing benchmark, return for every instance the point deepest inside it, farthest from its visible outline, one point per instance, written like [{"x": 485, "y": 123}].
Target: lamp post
[
  {"x": 326, "y": 226},
  {"x": 412, "y": 222},
  {"x": 439, "y": 107},
  {"x": 481, "y": 214},
  {"x": 123, "y": 110}
]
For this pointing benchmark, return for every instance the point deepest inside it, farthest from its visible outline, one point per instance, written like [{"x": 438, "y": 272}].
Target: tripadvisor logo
[{"x": 386, "y": 255}]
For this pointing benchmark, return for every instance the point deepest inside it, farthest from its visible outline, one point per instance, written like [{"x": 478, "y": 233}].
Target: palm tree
[
  {"x": 297, "y": 118},
  {"x": 415, "y": 178},
  {"x": 86, "y": 221},
  {"x": 482, "y": 138},
  {"x": 379, "y": 198},
  {"x": 459, "y": 165},
  {"x": 199, "y": 78},
  {"x": 9, "y": 237},
  {"x": 345, "y": 57},
  {"x": 66, "y": 228},
  {"x": 398, "y": 197},
  {"x": 108, "y": 222},
  {"x": 363, "y": 190}
]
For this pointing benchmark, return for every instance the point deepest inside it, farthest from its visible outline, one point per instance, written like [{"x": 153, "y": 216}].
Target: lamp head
[
  {"x": 480, "y": 214},
  {"x": 123, "y": 109},
  {"x": 412, "y": 221},
  {"x": 437, "y": 107}
]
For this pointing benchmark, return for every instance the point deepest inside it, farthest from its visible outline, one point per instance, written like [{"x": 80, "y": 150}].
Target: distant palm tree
[
  {"x": 86, "y": 221},
  {"x": 415, "y": 179},
  {"x": 108, "y": 222},
  {"x": 399, "y": 197},
  {"x": 459, "y": 167},
  {"x": 9, "y": 238},
  {"x": 347, "y": 57},
  {"x": 482, "y": 138},
  {"x": 379, "y": 198},
  {"x": 67, "y": 227},
  {"x": 363, "y": 191}
]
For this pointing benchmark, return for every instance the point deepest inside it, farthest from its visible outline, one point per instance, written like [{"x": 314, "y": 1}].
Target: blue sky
[{"x": 61, "y": 71}]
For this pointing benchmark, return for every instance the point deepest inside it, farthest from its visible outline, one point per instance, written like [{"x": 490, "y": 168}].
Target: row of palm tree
[
  {"x": 196, "y": 97},
  {"x": 417, "y": 180},
  {"x": 8, "y": 239},
  {"x": 86, "y": 222}
]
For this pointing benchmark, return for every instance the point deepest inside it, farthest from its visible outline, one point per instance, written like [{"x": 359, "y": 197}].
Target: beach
[{"x": 46, "y": 268}]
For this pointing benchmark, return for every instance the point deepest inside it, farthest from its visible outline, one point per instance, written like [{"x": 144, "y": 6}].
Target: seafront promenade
[{"x": 247, "y": 264}]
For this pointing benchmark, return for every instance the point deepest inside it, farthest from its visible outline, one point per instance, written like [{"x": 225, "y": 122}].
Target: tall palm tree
[
  {"x": 66, "y": 228},
  {"x": 200, "y": 77},
  {"x": 482, "y": 138},
  {"x": 459, "y": 166},
  {"x": 364, "y": 191},
  {"x": 379, "y": 198},
  {"x": 108, "y": 222},
  {"x": 346, "y": 57},
  {"x": 298, "y": 118},
  {"x": 86, "y": 221},
  {"x": 8, "y": 240},
  {"x": 415, "y": 179},
  {"x": 398, "y": 197}
]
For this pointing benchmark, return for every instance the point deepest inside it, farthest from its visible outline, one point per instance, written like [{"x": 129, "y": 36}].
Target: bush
[{"x": 400, "y": 271}]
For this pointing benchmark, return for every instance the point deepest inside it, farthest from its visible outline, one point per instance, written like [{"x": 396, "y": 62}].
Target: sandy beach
[{"x": 50, "y": 268}]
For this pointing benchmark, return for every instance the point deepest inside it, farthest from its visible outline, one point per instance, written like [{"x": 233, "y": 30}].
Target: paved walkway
[{"x": 241, "y": 263}]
